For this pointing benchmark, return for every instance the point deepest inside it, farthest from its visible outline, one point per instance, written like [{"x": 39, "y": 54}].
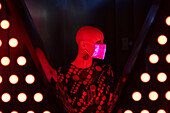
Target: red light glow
[
  {"x": 13, "y": 42},
  {"x": 167, "y": 21},
  {"x": 136, "y": 96},
  {"x": 46, "y": 112},
  {"x": 145, "y": 77},
  {"x": 14, "y": 111},
  {"x": 0, "y": 6},
  {"x": 153, "y": 95},
  {"x": 5, "y": 61},
  {"x": 1, "y": 79},
  {"x": 30, "y": 112},
  {"x": 161, "y": 111},
  {"x": 167, "y": 58},
  {"x": 6, "y": 97},
  {"x": 167, "y": 95},
  {"x": 144, "y": 111},
  {"x": 21, "y": 60},
  {"x": 153, "y": 58},
  {"x": 0, "y": 43},
  {"x": 128, "y": 111},
  {"x": 161, "y": 77},
  {"x": 22, "y": 97},
  {"x": 30, "y": 79},
  {"x": 5, "y": 24},
  {"x": 38, "y": 97},
  {"x": 13, "y": 79},
  {"x": 162, "y": 39}
]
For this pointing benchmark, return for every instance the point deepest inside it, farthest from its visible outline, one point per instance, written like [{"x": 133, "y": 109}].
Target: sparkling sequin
[
  {"x": 85, "y": 82},
  {"x": 75, "y": 77},
  {"x": 88, "y": 76},
  {"x": 98, "y": 68},
  {"x": 99, "y": 107},
  {"x": 92, "y": 87},
  {"x": 78, "y": 103}
]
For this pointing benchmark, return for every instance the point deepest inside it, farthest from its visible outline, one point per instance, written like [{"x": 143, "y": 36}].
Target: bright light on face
[
  {"x": 38, "y": 97},
  {"x": 13, "y": 42},
  {"x": 167, "y": 95},
  {"x": 161, "y": 111},
  {"x": 21, "y": 60},
  {"x": 128, "y": 111},
  {"x": 162, "y": 39},
  {"x": 0, "y": 43},
  {"x": 144, "y": 111},
  {"x": 161, "y": 77},
  {"x": 1, "y": 79},
  {"x": 167, "y": 21},
  {"x": 153, "y": 58},
  {"x": 153, "y": 95},
  {"x": 30, "y": 79},
  {"x": 167, "y": 58},
  {"x": 5, "y": 24},
  {"x": 145, "y": 77},
  {"x": 22, "y": 97},
  {"x": 30, "y": 112},
  {"x": 5, "y": 61},
  {"x": 46, "y": 112},
  {"x": 13, "y": 79},
  {"x": 6, "y": 97},
  {"x": 14, "y": 111},
  {"x": 136, "y": 96}
]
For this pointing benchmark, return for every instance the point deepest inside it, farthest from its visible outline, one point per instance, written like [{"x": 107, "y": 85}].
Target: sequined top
[{"x": 89, "y": 90}]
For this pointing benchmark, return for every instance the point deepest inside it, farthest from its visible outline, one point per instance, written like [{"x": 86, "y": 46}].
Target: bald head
[{"x": 89, "y": 33}]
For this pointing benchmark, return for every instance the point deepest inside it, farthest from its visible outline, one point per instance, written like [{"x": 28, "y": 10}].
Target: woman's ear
[{"x": 82, "y": 44}]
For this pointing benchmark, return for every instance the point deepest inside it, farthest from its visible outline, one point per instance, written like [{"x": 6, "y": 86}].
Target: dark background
[{"x": 57, "y": 22}]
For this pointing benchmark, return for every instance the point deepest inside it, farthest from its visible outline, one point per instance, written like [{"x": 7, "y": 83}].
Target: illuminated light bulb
[
  {"x": 1, "y": 79},
  {"x": 136, "y": 96},
  {"x": 6, "y": 97},
  {"x": 46, "y": 112},
  {"x": 13, "y": 79},
  {"x": 161, "y": 111},
  {"x": 30, "y": 112},
  {"x": 144, "y": 111},
  {"x": 14, "y": 111},
  {"x": 5, "y": 24},
  {"x": 5, "y": 61},
  {"x": 167, "y": 21},
  {"x": 153, "y": 58},
  {"x": 38, "y": 97},
  {"x": 0, "y": 43},
  {"x": 167, "y": 58},
  {"x": 1, "y": 112},
  {"x": 21, "y": 60},
  {"x": 30, "y": 79},
  {"x": 161, "y": 77},
  {"x": 145, "y": 77},
  {"x": 22, "y": 97},
  {"x": 153, "y": 95},
  {"x": 128, "y": 111},
  {"x": 167, "y": 95},
  {"x": 162, "y": 40},
  {"x": 13, "y": 42},
  {"x": 0, "y": 6}
]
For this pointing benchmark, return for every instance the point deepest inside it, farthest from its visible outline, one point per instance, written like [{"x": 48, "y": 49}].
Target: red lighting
[
  {"x": 22, "y": 97},
  {"x": 144, "y": 111},
  {"x": 5, "y": 61},
  {"x": 0, "y": 43},
  {"x": 153, "y": 58},
  {"x": 1, "y": 79},
  {"x": 0, "y": 6},
  {"x": 6, "y": 97},
  {"x": 30, "y": 112},
  {"x": 162, "y": 39},
  {"x": 167, "y": 95},
  {"x": 161, "y": 111},
  {"x": 46, "y": 112},
  {"x": 21, "y": 60},
  {"x": 153, "y": 95},
  {"x": 13, "y": 79},
  {"x": 128, "y": 111},
  {"x": 30, "y": 79},
  {"x": 145, "y": 77},
  {"x": 5, "y": 24},
  {"x": 14, "y": 111},
  {"x": 13, "y": 42},
  {"x": 167, "y": 21},
  {"x": 38, "y": 97},
  {"x": 136, "y": 96},
  {"x": 161, "y": 77},
  {"x": 167, "y": 58}
]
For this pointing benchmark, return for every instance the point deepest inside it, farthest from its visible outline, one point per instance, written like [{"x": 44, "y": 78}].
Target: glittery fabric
[{"x": 89, "y": 90}]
